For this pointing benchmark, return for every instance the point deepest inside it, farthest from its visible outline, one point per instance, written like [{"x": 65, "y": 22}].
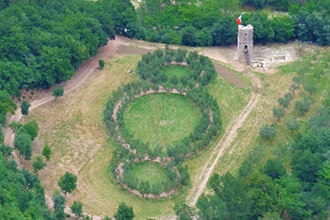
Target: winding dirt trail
[{"x": 224, "y": 142}]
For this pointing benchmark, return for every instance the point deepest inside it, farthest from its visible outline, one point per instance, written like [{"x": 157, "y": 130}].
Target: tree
[
  {"x": 6, "y": 105},
  {"x": 262, "y": 194},
  {"x": 124, "y": 212},
  {"x": 144, "y": 188},
  {"x": 278, "y": 113},
  {"x": 283, "y": 27},
  {"x": 289, "y": 194},
  {"x": 185, "y": 212},
  {"x": 203, "y": 38},
  {"x": 156, "y": 189},
  {"x": 101, "y": 64},
  {"x": 294, "y": 87},
  {"x": 283, "y": 102},
  {"x": 224, "y": 32},
  {"x": 274, "y": 168},
  {"x": 288, "y": 96},
  {"x": 6, "y": 150},
  {"x": 14, "y": 126},
  {"x": 310, "y": 88},
  {"x": 77, "y": 209},
  {"x": 31, "y": 128},
  {"x": 231, "y": 199},
  {"x": 305, "y": 165},
  {"x": 46, "y": 152},
  {"x": 302, "y": 106},
  {"x": 25, "y": 105},
  {"x": 188, "y": 36},
  {"x": 23, "y": 143},
  {"x": 38, "y": 164},
  {"x": 58, "y": 91},
  {"x": 67, "y": 182},
  {"x": 59, "y": 205},
  {"x": 267, "y": 132},
  {"x": 292, "y": 124}
]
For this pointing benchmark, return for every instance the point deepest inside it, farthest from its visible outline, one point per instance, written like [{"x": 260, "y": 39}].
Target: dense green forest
[
  {"x": 21, "y": 195},
  {"x": 43, "y": 42},
  {"x": 212, "y": 23}
]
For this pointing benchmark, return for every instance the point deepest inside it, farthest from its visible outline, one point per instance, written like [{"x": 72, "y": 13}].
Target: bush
[{"x": 267, "y": 132}]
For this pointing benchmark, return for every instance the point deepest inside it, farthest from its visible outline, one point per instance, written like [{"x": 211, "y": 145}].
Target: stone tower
[{"x": 245, "y": 43}]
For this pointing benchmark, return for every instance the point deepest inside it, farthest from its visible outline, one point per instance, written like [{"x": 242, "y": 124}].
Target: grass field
[
  {"x": 72, "y": 126},
  {"x": 149, "y": 171},
  {"x": 176, "y": 70},
  {"x": 161, "y": 119}
]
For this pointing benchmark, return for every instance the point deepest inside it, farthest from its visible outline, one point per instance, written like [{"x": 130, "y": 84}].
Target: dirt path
[{"x": 224, "y": 142}]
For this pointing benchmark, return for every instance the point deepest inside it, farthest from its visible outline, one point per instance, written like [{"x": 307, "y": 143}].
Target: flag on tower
[{"x": 239, "y": 20}]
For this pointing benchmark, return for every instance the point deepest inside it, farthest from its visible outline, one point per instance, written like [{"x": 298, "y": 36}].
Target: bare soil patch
[
  {"x": 229, "y": 76},
  {"x": 124, "y": 49}
]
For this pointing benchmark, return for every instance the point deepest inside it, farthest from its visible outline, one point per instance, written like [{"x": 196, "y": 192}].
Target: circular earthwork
[{"x": 169, "y": 102}]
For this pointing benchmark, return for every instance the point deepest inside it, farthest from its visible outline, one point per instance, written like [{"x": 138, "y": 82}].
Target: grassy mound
[
  {"x": 161, "y": 119},
  {"x": 149, "y": 171}
]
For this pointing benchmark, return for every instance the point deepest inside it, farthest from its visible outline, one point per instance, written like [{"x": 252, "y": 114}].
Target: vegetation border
[{"x": 153, "y": 80}]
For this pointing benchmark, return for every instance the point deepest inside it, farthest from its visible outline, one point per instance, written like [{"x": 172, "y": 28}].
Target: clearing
[{"x": 161, "y": 119}]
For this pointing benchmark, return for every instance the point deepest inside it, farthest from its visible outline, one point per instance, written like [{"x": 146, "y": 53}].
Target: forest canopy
[
  {"x": 43, "y": 42},
  {"x": 212, "y": 22}
]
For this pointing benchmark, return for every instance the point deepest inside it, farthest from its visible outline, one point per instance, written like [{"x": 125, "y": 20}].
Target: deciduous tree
[
  {"x": 46, "y": 152},
  {"x": 25, "y": 105},
  {"x": 292, "y": 124},
  {"x": 31, "y": 128},
  {"x": 59, "y": 205},
  {"x": 77, "y": 209},
  {"x": 58, "y": 91},
  {"x": 101, "y": 64},
  {"x": 124, "y": 212},
  {"x": 67, "y": 182},
  {"x": 274, "y": 168},
  {"x": 23, "y": 143},
  {"x": 267, "y": 132},
  {"x": 38, "y": 164},
  {"x": 278, "y": 113}
]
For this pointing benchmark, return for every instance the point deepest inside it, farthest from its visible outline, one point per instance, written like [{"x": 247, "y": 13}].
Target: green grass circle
[
  {"x": 178, "y": 71},
  {"x": 161, "y": 118},
  {"x": 151, "y": 172}
]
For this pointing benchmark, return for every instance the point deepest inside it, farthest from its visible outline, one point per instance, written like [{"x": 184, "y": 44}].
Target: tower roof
[{"x": 249, "y": 26}]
